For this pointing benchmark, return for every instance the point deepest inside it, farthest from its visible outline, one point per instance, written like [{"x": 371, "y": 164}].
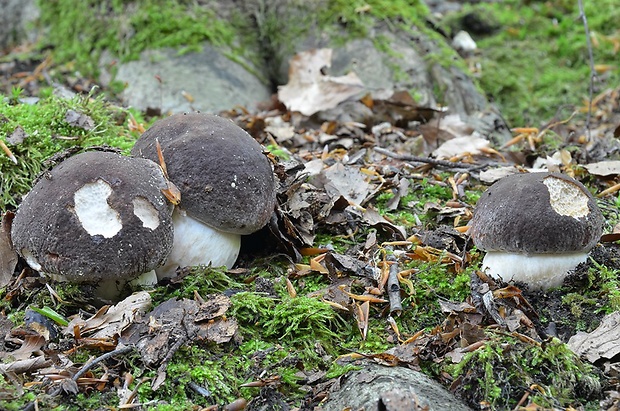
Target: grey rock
[
  {"x": 213, "y": 81},
  {"x": 16, "y": 19},
  {"x": 377, "y": 387},
  {"x": 441, "y": 7}
]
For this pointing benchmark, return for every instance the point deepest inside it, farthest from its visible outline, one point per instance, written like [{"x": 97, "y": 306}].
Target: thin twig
[
  {"x": 97, "y": 360},
  {"x": 427, "y": 160},
  {"x": 582, "y": 15},
  {"x": 393, "y": 287}
]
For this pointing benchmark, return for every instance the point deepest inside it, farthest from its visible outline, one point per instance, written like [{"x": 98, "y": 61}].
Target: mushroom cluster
[
  {"x": 97, "y": 217},
  {"x": 226, "y": 183},
  {"x": 103, "y": 218},
  {"x": 535, "y": 228}
]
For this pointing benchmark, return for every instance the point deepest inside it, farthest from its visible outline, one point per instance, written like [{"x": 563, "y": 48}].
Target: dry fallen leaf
[
  {"x": 309, "y": 90},
  {"x": 493, "y": 174},
  {"x": 281, "y": 130},
  {"x": 110, "y": 321},
  {"x": 17, "y": 136},
  {"x": 344, "y": 180},
  {"x": 459, "y": 146},
  {"x": 24, "y": 366},
  {"x": 600, "y": 343},
  {"x": 8, "y": 256},
  {"x": 604, "y": 168},
  {"x": 80, "y": 120},
  {"x": 160, "y": 333}
]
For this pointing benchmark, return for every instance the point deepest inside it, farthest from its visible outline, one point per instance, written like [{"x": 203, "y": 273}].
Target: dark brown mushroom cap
[
  {"x": 225, "y": 179},
  {"x": 58, "y": 227},
  {"x": 536, "y": 213}
]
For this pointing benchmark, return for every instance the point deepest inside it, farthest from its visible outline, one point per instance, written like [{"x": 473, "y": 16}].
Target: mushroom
[
  {"x": 535, "y": 228},
  {"x": 226, "y": 183},
  {"x": 97, "y": 217}
]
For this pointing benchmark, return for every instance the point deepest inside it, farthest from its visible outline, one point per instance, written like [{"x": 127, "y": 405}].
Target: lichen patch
[
  {"x": 567, "y": 198},
  {"x": 94, "y": 212},
  {"x": 146, "y": 212}
]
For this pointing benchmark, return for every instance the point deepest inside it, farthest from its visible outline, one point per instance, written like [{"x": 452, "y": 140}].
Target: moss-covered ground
[
  {"x": 532, "y": 63},
  {"x": 533, "y": 59}
]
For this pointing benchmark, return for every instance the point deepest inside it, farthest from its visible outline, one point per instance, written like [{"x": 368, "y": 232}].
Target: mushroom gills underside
[
  {"x": 539, "y": 271},
  {"x": 198, "y": 244}
]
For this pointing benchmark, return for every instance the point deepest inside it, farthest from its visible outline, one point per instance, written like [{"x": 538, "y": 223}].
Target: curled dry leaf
[
  {"x": 309, "y": 90},
  {"x": 110, "y": 321},
  {"x": 25, "y": 366}
]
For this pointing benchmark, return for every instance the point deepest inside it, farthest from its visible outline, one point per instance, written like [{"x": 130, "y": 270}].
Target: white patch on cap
[
  {"x": 30, "y": 259},
  {"x": 567, "y": 198},
  {"x": 94, "y": 212},
  {"x": 145, "y": 211}
]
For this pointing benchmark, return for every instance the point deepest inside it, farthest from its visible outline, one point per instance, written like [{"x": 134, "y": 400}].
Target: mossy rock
[{"x": 215, "y": 56}]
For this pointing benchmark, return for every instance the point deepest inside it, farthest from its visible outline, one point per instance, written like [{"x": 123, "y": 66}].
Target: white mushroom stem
[
  {"x": 539, "y": 271},
  {"x": 198, "y": 244},
  {"x": 110, "y": 289}
]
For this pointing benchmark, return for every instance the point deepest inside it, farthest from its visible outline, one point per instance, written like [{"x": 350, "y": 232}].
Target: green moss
[
  {"x": 359, "y": 16},
  {"x": 202, "y": 279},
  {"x": 48, "y": 133},
  {"x": 311, "y": 283},
  {"x": 210, "y": 368},
  {"x": 579, "y": 303},
  {"x": 338, "y": 243},
  {"x": 12, "y": 399},
  {"x": 81, "y": 30},
  {"x": 357, "y": 19},
  {"x": 299, "y": 321},
  {"x": 304, "y": 321},
  {"x": 336, "y": 370},
  {"x": 273, "y": 347},
  {"x": 599, "y": 295},
  {"x": 251, "y": 309},
  {"x": 431, "y": 282},
  {"x": 505, "y": 367},
  {"x": 538, "y": 61},
  {"x": 411, "y": 209},
  {"x": 608, "y": 281},
  {"x": 278, "y": 152}
]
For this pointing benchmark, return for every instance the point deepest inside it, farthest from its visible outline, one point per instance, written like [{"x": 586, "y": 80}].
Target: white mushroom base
[
  {"x": 111, "y": 289},
  {"x": 539, "y": 271},
  {"x": 198, "y": 244}
]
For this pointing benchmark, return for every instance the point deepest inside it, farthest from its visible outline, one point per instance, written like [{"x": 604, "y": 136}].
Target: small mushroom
[
  {"x": 535, "y": 228},
  {"x": 226, "y": 183},
  {"x": 97, "y": 217}
]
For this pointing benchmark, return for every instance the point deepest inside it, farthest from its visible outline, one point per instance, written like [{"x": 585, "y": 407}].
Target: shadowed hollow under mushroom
[
  {"x": 97, "y": 217},
  {"x": 535, "y": 228},
  {"x": 226, "y": 183}
]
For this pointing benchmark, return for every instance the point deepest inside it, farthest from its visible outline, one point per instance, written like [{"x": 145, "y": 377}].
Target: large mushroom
[
  {"x": 97, "y": 217},
  {"x": 535, "y": 228},
  {"x": 226, "y": 183}
]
